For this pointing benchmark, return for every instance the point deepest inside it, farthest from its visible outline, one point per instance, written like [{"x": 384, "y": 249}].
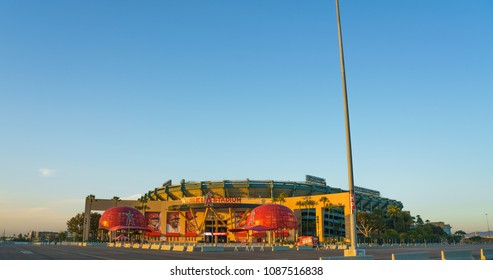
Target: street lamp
[
  {"x": 352, "y": 224},
  {"x": 488, "y": 223}
]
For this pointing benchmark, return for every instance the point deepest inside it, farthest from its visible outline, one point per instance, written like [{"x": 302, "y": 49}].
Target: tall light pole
[
  {"x": 352, "y": 224},
  {"x": 488, "y": 223}
]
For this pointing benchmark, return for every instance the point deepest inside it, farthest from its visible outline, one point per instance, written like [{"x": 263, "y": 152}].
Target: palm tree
[
  {"x": 281, "y": 198},
  {"x": 326, "y": 205},
  {"x": 143, "y": 205},
  {"x": 324, "y": 200},
  {"x": 406, "y": 220},
  {"x": 309, "y": 205},
  {"x": 91, "y": 198},
  {"x": 116, "y": 199},
  {"x": 300, "y": 204},
  {"x": 393, "y": 212}
]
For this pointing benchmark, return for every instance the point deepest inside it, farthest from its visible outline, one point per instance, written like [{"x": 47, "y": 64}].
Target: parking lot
[{"x": 67, "y": 252}]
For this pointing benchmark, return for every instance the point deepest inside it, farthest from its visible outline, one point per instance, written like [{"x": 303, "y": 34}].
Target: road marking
[{"x": 27, "y": 252}]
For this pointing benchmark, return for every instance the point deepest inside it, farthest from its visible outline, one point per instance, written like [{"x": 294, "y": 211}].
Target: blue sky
[{"x": 113, "y": 98}]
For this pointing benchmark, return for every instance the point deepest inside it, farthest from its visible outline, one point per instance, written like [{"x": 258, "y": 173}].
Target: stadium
[{"x": 231, "y": 211}]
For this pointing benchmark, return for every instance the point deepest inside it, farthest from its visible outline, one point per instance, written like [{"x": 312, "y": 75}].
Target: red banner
[
  {"x": 173, "y": 223},
  {"x": 153, "y": 220}
]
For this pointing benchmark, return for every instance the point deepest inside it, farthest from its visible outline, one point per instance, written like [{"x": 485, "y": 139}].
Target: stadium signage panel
[{"x": 315, "y": 180}]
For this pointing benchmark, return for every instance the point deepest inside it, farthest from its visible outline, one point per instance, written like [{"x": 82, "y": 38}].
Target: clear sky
[{"x": 113, "y": 98}]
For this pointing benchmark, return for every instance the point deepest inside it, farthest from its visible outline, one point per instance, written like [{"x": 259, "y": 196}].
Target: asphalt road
[{"x": 65, "y": 252}]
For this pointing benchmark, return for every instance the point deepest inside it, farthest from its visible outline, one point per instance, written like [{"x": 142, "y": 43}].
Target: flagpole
[{"x": 352, "y": 251}]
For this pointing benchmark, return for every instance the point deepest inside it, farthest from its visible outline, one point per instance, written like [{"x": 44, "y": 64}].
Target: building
[
  {"x": 43, "y": 236},
  {"x": 205, "y": 211},
  {"x": 446, "y": 227}
]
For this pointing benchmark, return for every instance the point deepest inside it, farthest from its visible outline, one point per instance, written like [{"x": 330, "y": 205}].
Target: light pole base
[{"x": 354, "y": 252}]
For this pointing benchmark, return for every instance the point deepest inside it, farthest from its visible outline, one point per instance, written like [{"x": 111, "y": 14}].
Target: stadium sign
[
  {"x": 315, "y": 180},
  {"x": 208, "y": 200}
]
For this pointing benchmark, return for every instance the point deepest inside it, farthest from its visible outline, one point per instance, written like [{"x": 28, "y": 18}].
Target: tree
[
  {"x": 338, "y": 226},
  {"x": 460, "y": 233},
  {"x": 300, "y": 204},
  {"x": 419, "y": 221},
  {"x": 405, "y": 221},
  {"x": 62, "y": 236},
  {"x": 378, "y": 220},
  {"x": 76, "y": 224},
  {"x": 116, "y": 199},
  {"x": 474, "y": 239},
  {"x": 143, "y": 205},
  {"x": 309, "y": 205},
  {"x": 325, "y": 200},
  {"x": 364, "y": 223},
  {"x": 391, "y": 234},
  {"x": 93, "y": 229},
  {"x": 459, "y": 236},
  {"x": 370, "y": 223},
  {"x": 20, "y": 238},
  {"x": 281, "y": 198},
  {"x": 327, "y": 205},
  {"x": 393, "y": 213},
  {"x": 426, "y": 233}
]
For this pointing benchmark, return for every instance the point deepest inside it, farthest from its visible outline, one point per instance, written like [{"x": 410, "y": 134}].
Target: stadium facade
[{"x": 206, "y": 211}]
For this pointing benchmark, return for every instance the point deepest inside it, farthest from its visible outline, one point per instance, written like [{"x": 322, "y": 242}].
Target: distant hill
[{"x": 479, "y": 233}]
